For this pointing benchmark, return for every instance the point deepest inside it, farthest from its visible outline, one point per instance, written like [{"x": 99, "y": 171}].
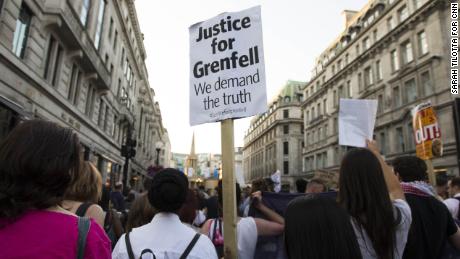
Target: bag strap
[
  {"x": 190, "y": 246},
  {"x": 81, "y": 211},
  {"x": 83, "y": 228},
  {"x": 129, "y": 248},
  {"x": 214, "y": 229}
]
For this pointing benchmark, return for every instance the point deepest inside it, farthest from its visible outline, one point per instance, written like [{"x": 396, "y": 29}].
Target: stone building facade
[
  {"x": 274, "y": 140},
  {"x": 394, "y": 51},
  {"x": 80, "y": 63}
]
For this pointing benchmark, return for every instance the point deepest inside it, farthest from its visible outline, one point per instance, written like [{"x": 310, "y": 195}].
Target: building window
[
  {"x": 346, "y": 59},
  {"x": 335, "y": 96},
  {"x": 100, "y": 19},
  {"x": 411, "y": 90},
  {"x": 383, "y": 143},
  {"x": 115, "y": 39},
  {"x": 74, "y": 86},
  {"x": 378, "y": 68},
  {"x": 90, "y": 98},
  {"x": 400, "y": 140},
  {"x": 348, "y": 89},
  {"x": 1, "y": 5},
  {"x": 22, "y": 31},
  {"x": 410, "y": 137},
  {"x": 286, "y": 129},
  {"x": 403, "y": 13},
  {"x": 110, "y": 28},
  {"x": 106, "y": 117},
  {"x": 319, "y": 108},
  {"x": 407, "y": 55},
  {"x": 339, "y": 64},
  {"x": 394, "y": 60},
  {"x": 360, "y": 84},
  {"x": 53, "y": 61},
  {"x": 319, "y": 161},
  {"x": 426, "y": 83},
  {"x": 380, "y": 104},
  {"x": 333, "y": 69},
  {"x": 422, "y": 43},
  {"x": 357, "y": 50},
  {"x": 286, "y": 148},
  {"x": 84, "y": 12},
  {"x": 286, "y": 167},
  {"x": 368, "y": 76},
  {"x": 341, "y": 93},
  {"x": 375, "y": 35},
  {"x": 324, "y": 107},
  {"x": 396, "y": 96},
  {"x": 390, "y": 23},
  {"x": 101, "y": 110},
  {"x": 285, "y": 114},
  {"x": 366, "y": 43},
  {"x": 416, "y": 4},
  {"x": 122, "y": 57}
]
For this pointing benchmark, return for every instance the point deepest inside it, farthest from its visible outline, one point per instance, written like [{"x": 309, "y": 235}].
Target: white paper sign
[
  {"x": 227, "y": 71},
  {"x": 356, "y": 121}
]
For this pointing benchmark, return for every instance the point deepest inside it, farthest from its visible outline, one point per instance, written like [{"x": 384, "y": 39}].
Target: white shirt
[
  {"x": 402, "y": 230},
  {"x": 452, "y": 205},
  {"x": 246, "y": 235},
  {"x": 167, "y": 237}
]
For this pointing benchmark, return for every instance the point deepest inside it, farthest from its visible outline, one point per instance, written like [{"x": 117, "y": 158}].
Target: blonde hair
[{"x": 87, "y": 186}]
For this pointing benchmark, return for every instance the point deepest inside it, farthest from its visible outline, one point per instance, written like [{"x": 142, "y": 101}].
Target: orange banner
[{"x": 427, "y": 133}]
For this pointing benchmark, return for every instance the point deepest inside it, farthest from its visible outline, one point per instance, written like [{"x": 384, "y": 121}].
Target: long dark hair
[
  {"x": 317, "y": 227},
  {"x": 364, "y": 194},
  {"x": 39, "y": 160}
]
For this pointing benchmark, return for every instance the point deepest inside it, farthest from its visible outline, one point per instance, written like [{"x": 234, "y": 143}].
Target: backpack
[
  {"x": 216, "y": 236},
  {"x": 184, "y": 255},
  {"x": 111, "y": 227}
]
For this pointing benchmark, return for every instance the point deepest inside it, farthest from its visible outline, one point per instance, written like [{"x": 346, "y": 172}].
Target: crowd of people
[{"x": 54, "y": 205}]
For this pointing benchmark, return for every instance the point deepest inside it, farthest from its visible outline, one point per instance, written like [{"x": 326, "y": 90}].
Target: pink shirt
[{"x": 46, "y": 234}]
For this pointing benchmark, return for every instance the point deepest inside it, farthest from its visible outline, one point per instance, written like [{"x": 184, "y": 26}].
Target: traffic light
[{"x": 129, "y": 150}]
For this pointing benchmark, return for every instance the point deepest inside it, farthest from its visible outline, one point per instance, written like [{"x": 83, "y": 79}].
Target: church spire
[{"x": 192, "y": 151}]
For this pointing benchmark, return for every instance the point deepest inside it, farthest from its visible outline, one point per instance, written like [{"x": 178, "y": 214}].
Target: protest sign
[
  {"x": 356, "y": 121},
  {"x": 427, "y": 134},
  {"x": 227, "y": 77}
]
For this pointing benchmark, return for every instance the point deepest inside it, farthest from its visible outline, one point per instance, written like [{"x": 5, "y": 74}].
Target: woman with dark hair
[
  {"x": 39, "y": 160},
  {"x": 248, "y": 228},
  {"x": 316, "y": 227},
  {"x": 141, "y": 213},
  {"x": 372, "y": 195},
  {"x": 165, "y": 236},
  {"x": 189, "y": 211}
]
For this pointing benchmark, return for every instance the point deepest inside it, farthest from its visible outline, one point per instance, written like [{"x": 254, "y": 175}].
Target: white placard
[
  {"x": 227, "y": 71},
  {"x": 356, "y": 121}
]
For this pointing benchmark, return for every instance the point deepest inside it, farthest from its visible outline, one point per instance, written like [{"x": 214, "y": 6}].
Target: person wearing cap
[{"x": 165, "y": 236}]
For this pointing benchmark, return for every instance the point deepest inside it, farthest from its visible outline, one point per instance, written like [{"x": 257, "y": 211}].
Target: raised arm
[
  {"x": 274, "y": 225},
  {"x": 393, "y": 185}
]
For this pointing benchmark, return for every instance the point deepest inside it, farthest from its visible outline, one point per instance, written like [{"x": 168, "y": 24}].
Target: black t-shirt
[{"x": 431, "y": 225}]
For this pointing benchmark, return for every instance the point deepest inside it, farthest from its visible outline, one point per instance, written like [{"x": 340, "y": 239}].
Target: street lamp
[{"x": 158, "y": 147}]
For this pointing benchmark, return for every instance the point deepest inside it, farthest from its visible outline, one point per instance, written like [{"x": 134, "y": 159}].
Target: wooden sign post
[
  {"x": 430, "y": 169},
  {"x": 229, "y": 190}
]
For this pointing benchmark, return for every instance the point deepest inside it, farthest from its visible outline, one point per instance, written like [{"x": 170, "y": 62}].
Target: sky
[{"x": 295, "y": 32}]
